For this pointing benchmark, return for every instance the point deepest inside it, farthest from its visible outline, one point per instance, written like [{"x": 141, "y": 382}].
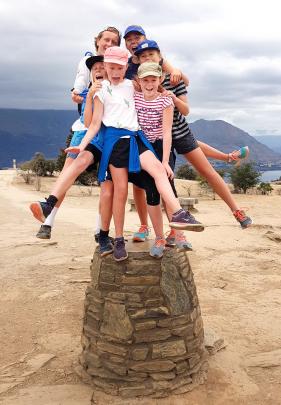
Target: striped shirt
[
  {"x": 150, "y": 115},
  {"x": 180, "y": 125}
]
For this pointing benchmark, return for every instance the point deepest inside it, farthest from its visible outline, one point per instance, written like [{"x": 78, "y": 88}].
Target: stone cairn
[{"x": 143, "y": 331}]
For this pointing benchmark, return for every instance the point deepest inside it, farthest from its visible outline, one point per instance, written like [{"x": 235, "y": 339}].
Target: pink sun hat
[{"x": 115, "y": 54}]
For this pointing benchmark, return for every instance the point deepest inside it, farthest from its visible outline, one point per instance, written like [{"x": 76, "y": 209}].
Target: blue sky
[{"x": 230, "y": 51}]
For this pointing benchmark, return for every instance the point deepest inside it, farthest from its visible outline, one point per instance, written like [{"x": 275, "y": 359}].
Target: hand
[
  {"x": 96, "y": 86},
  {"x": 168, "y": 169},
  {"x": 136, "y": 85},
  {"x": 73, "y": 149},
  {"x": 168, "y": 93},
  {"x": 76, "y": 98},
  {"x": 175, "y": 77}
]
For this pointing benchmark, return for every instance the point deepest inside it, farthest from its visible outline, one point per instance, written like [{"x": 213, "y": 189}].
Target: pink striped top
[{"x": 150, "y": 115}]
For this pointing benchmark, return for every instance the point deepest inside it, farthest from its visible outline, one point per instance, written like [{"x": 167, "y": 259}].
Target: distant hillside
[
  {"x": 24, "y": 132},
  {"x": 272, "y": 141}
]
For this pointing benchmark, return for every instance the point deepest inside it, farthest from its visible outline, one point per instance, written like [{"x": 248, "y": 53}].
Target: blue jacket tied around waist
[{"x": 110, "y": 136}]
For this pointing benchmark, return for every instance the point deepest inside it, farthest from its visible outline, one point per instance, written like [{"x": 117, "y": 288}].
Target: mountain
[
  {"x": 272, "y": 141},
  {"x": 24, "y": 132}
]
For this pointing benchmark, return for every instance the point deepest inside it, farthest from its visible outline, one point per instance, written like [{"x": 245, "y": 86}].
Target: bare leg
[
  {"x": 156, "y": 217},
  {"x": 105, "y": 204},
  {"x": 120, "y": 178},
  {"x": 70, "y": 174},
  {"x": 140, "y": 203},
  {"x": 202, "y": 165},
  {"x": 213, "y": 153},
  {"x": 154, "y": 167}
]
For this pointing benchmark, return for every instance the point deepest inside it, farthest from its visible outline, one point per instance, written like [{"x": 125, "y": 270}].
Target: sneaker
[
  {"x": 40, "y": 210},
  {"x": 171, "y": 238},
  {"x": 238, "y": 155},
  {"x": 44, "y": 232},
  {"x": 106, "y": 246},
  {"x": 119, "y": 251},
  {"x": 141, "y": 235},
  {"x": 184, "y": 220},
  {"x": 244, "y": 221},
  {"x": 97, "y": 235},
  {"x": 181, "y": 243},
  {"x": 158, "y": 248}
]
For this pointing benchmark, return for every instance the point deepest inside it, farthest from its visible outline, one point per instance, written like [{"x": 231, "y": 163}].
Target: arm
[
  {"x": 176, "y": 74},
  {"x": 88, "y": 111},
  {"x": 81, "y": 81},
  {"x": 180, "y": 102},
  {"x": 93, "y": 128},
  {"x": 167, "y": 139}
]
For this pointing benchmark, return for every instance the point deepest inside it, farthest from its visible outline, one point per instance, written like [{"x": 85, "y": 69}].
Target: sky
[{"x": 230, "y": 50}]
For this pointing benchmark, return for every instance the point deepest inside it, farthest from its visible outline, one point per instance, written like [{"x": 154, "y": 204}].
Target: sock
[
  {"x": 51, "y": 218},
  {"x": 52, "y": 200},
  {"x": 98, "y": 223},
  {"x": 103, "y": 234}
]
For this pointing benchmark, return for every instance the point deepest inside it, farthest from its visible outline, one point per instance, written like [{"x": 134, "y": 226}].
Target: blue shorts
[{"x": 75, "y": 141}]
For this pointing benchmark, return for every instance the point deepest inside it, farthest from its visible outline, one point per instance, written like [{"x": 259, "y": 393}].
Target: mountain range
[{"x": 24, "y": 132}]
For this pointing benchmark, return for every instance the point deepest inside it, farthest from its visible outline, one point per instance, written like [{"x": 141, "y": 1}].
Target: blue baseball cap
[
  {"x": 145, "y": 45},
  {"x": 134, "y": 28}
]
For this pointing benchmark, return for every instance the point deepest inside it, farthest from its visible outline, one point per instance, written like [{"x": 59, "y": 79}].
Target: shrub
[
  {"x": 244, "y": 177},
  {"x": 186, "y": 172}
]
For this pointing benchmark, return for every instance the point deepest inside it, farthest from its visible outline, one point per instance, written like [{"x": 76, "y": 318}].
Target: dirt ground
[{"x": 43, "y": 283}]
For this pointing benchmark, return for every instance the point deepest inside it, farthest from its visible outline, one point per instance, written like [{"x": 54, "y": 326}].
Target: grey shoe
[
  {"x": 184, "y": 220},
  {"x": 44, "y": 232},
  {"x": 119, "y": 251}
]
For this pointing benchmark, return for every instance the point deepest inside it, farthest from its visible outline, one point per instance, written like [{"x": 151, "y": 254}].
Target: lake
[{"x": 270, "y": 175}]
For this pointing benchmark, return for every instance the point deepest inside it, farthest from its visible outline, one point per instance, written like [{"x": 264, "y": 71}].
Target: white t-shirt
[
  {"x": 82, "y": 78},
  {"x": 119, "y": 105}
]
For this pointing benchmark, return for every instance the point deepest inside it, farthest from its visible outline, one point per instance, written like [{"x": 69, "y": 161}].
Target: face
[
  {"x": 107, "y": 40},
  {"x": 149, "y": 86},
  {"x": 150, "y": 55},
  {"x": 98, "y": 71},
  {"x": 115, "y": 72},
  {"x": 132, "y": 40}
]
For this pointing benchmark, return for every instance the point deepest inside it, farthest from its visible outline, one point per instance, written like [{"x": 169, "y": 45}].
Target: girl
[
  {"x": 126, "y": 149},
  {"x": 184, "y": 143}
]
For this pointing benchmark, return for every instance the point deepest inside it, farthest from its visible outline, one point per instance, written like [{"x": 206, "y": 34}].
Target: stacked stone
[{"x": 143, "y": 331}]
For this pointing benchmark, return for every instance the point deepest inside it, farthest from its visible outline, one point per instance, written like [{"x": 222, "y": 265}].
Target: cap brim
[
  {"x": 118, "y": 62},
  {"x": 151, "y": 73},
  {"x": 138, "y": 32},
  {"x": 146, "y": 49}
]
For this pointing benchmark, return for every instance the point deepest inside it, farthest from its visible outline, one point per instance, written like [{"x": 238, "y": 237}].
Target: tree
[
  {"x": 265, "y": 188},
  {"x": 244, "y": 177},
  {"x": 186, "y": 172}
]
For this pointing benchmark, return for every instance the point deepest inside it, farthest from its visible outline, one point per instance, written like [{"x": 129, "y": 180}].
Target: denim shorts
[{"x": 185, "y": 144}]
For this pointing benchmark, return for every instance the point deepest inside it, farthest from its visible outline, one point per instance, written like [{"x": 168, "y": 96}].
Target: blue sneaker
[
  {"x": 105, "y": 246},
  {"x": 181, "y": 243},
  {"x": 244, "y": 221},
  {"x": 40, "y": 210},
  {"x": 184, "y": 220},
  {"x": 171, "y": 238},
  {"x": 141, "y": 235},
  {"x": 119, "y": 251},
  {"x": 158, "y": 248}
]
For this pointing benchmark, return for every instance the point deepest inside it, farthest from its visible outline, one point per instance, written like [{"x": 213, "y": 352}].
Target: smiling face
[
  {"x": 98, "y": 71},
  {"x": 115, "y": 72},
  {"x": 132, "y": 40},
  {"x": 106, "y": 40},
  {"x": 149, "y": 86},
  {"x": 150, "y": 55}
]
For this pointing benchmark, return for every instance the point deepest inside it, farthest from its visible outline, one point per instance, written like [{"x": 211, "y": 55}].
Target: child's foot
[
  {"x": 238, "y": 155},
  {"x": 244, "y": 221},
  {"x": 181, "y": 243},
  {"x": 142, "y": 234},
  {"x": 44, "y": 232},
  {"x": 158, "y": 248},
  {"x": 119, "y": 251},
  {"x": 40, "y": 210},
  {"x": 105, "y": 246},
  {"x": 171, "y": 238},
  {"x": 97, "y": 235},
  {"x": 184, "y": 220}
]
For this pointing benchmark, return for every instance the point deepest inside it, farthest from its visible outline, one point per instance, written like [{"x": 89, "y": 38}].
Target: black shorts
[
  {"x": 120, "y": 154},
  {"x": 145, "y": 181},
  {"x": 185, "y": 144},
  {"x": 96, "y": 156}
]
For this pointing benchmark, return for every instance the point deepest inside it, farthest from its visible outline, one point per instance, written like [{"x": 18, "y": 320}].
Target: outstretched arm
[{"x": 93, "y": 128}]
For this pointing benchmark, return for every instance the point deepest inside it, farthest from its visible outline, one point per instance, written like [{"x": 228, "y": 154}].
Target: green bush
[
  {"x": 244, "y": 177},
  {"x": 186, "y": 172},
  {"x": 265, "y": 188}
]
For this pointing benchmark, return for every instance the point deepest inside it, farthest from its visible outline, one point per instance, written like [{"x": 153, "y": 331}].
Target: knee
[
  {"x": 82, "y": 162},
  {"x": 106, "y": 191}
]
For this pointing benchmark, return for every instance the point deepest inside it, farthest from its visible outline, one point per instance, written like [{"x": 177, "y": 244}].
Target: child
[
  {"x": 126, "y": 149},
  {"x": 185, "y": 143}
]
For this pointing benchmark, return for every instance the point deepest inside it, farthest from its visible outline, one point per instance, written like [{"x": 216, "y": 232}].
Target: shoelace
[
  {"x": 240, "y": 214},
  {"x": 171, "y": 233},
  {"x": 160, "y": 242},
  {"x": 143, "y": 228},
  {"x": 181, "y": 237}
]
